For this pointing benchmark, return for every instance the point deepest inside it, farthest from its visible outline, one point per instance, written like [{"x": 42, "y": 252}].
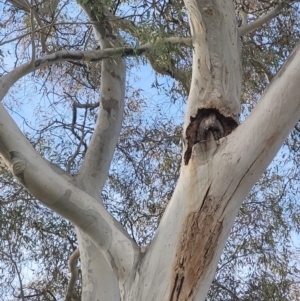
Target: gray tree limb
[{"x": 245, "y": 29}]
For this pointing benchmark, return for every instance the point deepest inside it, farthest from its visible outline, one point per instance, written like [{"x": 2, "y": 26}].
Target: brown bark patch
[
  {"x": 207, "y": 121},
  {"x": 195, "y": 251},
  {"x": 109, "y": 104}
]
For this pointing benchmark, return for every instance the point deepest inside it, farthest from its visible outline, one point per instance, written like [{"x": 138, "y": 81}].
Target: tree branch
[
  {"x": 240, "y": 158},
  {"x": 264, "y": 68},
  {"x": 24, "y": 5},
  {"x": 90, "y": 56},
  {"x": 178, "y": 74},
  {"x": 32, "y": 36},
  {"x": 275, "y": 115},
  {"x": 74, "y": 274},
  {"x": 41, "y": 29},
  {"x": 94, "y": 170},
  {"x": 21, "y": 4},
  {"x": 58, "y": 194},
  {"x": 9, "y": 255},
  {"x": 245, "y": 29},
  {"x": 182, "y": 76},
  {"x": 233, "y": 295}
]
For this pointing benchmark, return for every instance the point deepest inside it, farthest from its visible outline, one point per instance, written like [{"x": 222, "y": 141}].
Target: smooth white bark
[
  {"x": 210, "y": 191},
  {"x": 65, "y": 199},
  {"x": 214, "y": 98},
  {"x": 99, "y": 281},
  {"x": 74, "y": 274},
  {"x": 181, "y": 261},
  {"x": 95, "y": 167},
  {"x": 216, "y": 77},
  {"x": 94, "y": 170}
]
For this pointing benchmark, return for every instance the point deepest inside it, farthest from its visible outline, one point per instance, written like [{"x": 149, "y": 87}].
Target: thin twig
[
  {"x": 43, "y": 33},
  {"x": 87, "y": 39},
  {"x": 32, "y": 36},
  {"x": 45, "y": 27},
  {"x": 17, "y": 271},
  {"x": 71, "y": 160}
]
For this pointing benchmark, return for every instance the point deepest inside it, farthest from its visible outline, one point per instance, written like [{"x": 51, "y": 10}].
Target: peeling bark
[{"x": 199, "y": 237}]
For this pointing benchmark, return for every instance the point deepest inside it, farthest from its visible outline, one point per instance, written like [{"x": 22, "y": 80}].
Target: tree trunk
[
  {"x": 221, "y": 162},
  {"x": 181, "y": 260}
]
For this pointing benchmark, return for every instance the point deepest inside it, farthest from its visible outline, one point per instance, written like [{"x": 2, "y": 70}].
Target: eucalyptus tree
[{"x": 196, "y": 43}]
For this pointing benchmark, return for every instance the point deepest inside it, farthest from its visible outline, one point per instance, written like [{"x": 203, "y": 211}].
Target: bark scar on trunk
[
  {"x": 206, "y": 124},
  {"x": 196, "y": 249}
]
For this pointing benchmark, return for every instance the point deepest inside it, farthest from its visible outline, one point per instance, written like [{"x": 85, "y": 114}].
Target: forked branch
[{"x": 54, "y": 191}]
